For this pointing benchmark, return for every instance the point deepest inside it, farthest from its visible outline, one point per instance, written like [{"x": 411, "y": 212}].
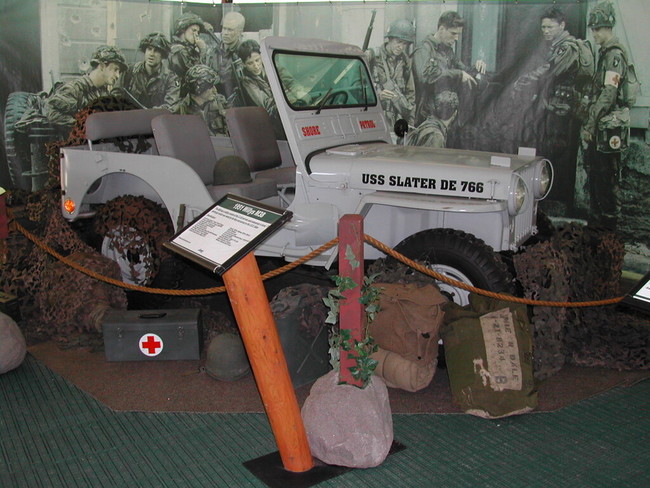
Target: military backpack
[{"x": 586, "y": 63}]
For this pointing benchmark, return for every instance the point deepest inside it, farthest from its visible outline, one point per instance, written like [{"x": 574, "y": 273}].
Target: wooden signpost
[
  {"x": 222, "y": 239},
  {"x": 260, "y": 336}
]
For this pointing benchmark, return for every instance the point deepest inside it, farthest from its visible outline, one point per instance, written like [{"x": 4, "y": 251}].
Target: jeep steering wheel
[{"x": 337, "y": 94}]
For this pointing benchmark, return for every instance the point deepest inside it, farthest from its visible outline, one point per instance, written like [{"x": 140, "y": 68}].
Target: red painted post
[
  {"x": 351, "y": 311},
  {"x": 260, "y": 336}
]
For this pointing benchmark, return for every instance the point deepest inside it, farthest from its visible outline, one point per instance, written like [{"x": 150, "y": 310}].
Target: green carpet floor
[{"x": 54, "y": 435}]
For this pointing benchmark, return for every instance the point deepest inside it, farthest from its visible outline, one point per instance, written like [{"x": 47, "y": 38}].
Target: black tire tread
[
  {"x": 469, "y": 254},
  {"x": 17, "y": 104}
]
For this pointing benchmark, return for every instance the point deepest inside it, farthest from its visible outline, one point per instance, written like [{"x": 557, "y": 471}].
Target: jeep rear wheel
[
  {"x": 134, "y": 252},
  {"x": 459, "y": 256},
  {"x": 133, "y": 230}
]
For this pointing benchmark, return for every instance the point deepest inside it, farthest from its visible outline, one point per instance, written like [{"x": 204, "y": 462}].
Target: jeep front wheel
[{"x": 460, "y": 256}]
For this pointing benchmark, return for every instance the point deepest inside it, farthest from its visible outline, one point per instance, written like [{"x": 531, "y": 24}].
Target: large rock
[
  {"x": 12, "y": 344},
  {"x": 346, "y": 425}
]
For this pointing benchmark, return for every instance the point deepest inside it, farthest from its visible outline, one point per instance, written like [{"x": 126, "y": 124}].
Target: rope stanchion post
[
  {"x": 351, "y": 309},
  {"x": 262, "y": 342}
]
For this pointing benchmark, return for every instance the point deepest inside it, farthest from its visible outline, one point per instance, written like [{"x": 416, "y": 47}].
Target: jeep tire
[
  {"x": 132, "y": 230},
  {"x": 16, "y": 144},
  {"x": 459, "y": 256}
]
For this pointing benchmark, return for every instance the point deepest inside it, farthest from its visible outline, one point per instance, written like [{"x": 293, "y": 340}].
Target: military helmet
[
  {"x": 231, "y": 170},
  {"x": 187, "y": 19},
  {"x": 226, "y": 358},
  {"x": 108, "y": 54},
  {"x": 602, "y": 15},
  {"x": 156, "y": 40},
  {"x": 402, "y": 29},
  {"x": 197, "y": 79}
]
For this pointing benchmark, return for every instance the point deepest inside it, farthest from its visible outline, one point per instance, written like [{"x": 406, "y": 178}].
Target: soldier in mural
[
  {"x": 605, "y": 132},
  {"x": 199, "y": 96},
  {"x": 391, "y": 71},
  {"x": 551, "y": 93},
  {"x": 437, "y": 68},
  {"x": 433, "y": 131},
  {"x": 187, "y": 47},
  {"x": 107, "y": 64},
  {"x": 149, "y": 82},
  {"x": 256, "y": 90},
  {"x": 223, "y": 57}
]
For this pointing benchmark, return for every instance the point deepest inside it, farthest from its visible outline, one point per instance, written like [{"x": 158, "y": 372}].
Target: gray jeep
[{"x": 458, "y": 210}]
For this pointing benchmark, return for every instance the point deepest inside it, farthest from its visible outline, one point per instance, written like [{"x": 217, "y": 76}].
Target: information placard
[
  {"x": 639, "y": 296},
  {"x": 227, "y": 231}
]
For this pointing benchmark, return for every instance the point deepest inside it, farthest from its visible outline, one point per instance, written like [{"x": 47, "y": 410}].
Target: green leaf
[{"x": 351, "y": 257}]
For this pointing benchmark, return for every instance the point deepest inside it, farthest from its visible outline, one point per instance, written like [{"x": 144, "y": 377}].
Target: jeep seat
[
  {"x": 253, "y": 138},
  {"x": 186, "y": 137},
  {"x": 101, "y": 126}
]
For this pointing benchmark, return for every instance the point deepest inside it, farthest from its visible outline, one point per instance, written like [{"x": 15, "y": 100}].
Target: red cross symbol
[{"x": 151, "y": 344}]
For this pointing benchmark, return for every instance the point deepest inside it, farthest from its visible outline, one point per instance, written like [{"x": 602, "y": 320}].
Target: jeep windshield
[{"x": 314, "y": 81}]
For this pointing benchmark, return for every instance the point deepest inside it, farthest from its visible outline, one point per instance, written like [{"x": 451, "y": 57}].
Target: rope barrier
[
  {"x": 162, "y": 291},
  {"x": 369, "y": 239},
  {"x": 500, "y": 296}
]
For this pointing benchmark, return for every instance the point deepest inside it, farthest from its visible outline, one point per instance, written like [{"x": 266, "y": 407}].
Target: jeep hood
[{"x": 389, "y": 167}]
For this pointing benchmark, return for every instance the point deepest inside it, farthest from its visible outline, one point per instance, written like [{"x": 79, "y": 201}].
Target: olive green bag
[{"x": 488, "y": 350}]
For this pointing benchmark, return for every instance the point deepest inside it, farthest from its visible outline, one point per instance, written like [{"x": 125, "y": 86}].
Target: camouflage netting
[
  {"x": 213, "y": 322},
  {"x": 68, "y": 301},
  {"x": 580, "y": 263},
  {"x": 54, "y": 299},
  {"x": 35, "y": 277},
  {"x": 389, "y": 270},
  {"x": 543, "y": 271},
  {"x": 635, "y": 195},
  {"x": 137, "y": 224},
  {"x": 77, "y": 136},
  {"x": 302, "y": 304}
]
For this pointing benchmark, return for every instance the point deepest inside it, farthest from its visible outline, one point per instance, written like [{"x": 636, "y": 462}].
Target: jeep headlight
[
  {"x": 517, "y": 196},
  {"x": 543, "y": 179}
]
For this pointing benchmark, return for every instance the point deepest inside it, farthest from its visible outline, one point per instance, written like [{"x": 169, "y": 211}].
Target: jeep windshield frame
[{"x": 314, "y": 81}]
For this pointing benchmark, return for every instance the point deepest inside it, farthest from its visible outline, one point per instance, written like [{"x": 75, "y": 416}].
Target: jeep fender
[
  {"x": 391, "y": 217},
  {"x": 91, "y": 166}
]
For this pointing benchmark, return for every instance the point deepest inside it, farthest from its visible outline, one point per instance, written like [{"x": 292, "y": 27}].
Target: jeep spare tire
[
  {"x": 16, "y": 143},
  {"x": 460, "y": 256}
]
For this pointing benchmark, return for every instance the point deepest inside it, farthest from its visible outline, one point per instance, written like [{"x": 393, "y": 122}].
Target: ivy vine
[{"x": 341, "y": 339}]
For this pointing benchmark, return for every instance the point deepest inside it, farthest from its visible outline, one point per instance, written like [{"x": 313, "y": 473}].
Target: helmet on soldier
[
  {"x": 402, "y": 29},
  {"x": 602, "y": 15},
  {"x": 108, "y": 54},
  {"x": 198, "y": 79},
  {"x": 231, "y": 170},
  {"x": 187, "y": 19},
  {"x": 156, "y": 40}
]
